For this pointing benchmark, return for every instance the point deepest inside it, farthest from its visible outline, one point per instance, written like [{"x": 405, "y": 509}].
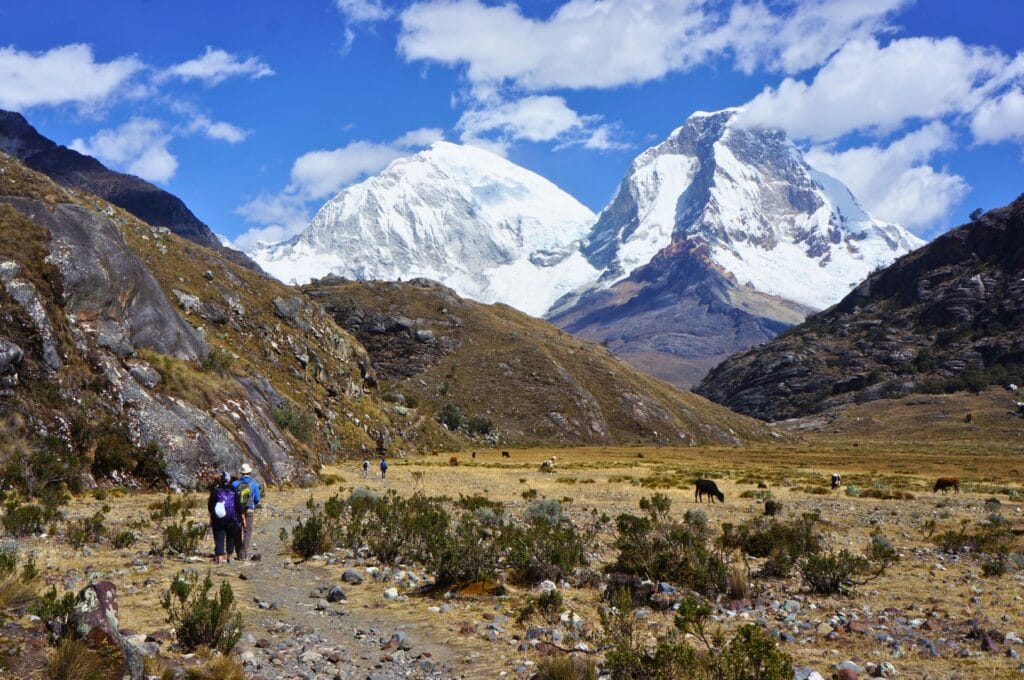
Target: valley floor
[{"x": 917, "y": 616}]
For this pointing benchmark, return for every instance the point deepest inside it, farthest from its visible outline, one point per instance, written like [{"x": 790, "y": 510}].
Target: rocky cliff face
[
  {"x": 719, "y": 238},
  {"x": 530, "y": 381},
  {"x": 71, "y": 169},
  {"x": 127, "y": 351},
  {"x": 946, "y": 317}
]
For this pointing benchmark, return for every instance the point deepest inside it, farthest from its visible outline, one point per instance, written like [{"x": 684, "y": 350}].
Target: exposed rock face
[
  {"x": 106, "y": 285},
  {"x": 74, "y": 170},
  {"x": 948, "y": 316},
  {"x": 532, "y": 381},
  {"x": 718, "y": 239}
]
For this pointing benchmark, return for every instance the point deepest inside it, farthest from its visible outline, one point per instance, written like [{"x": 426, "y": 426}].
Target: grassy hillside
[{"x": 532, "y": 381}]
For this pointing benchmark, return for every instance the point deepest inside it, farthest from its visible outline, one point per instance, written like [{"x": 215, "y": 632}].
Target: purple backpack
[{"x": 225, "y": 502}]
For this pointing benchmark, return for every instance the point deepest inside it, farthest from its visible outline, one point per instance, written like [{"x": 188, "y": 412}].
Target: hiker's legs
[
  {"x": 246, "y": 548},
  {"x": 219, "y": 537},
  {"x": 234, "y": 540}
]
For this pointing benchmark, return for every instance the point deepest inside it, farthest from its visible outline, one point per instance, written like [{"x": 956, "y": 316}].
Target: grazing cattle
[
  {"x": 454, "y": 460},
  {"x": 506, "y": 454},
  {"x": 474, "y": 454},
  {"x": 837, "y": 479},
  {"x": 710, "y": 489},
  {"x": 549, "y": 464},
  {"x": 762, "y": 485},
  {"x": 639, "y": 455},
  {"x": 944, "y": 484}
]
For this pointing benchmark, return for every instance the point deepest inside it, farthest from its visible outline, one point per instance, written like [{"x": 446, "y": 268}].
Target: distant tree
[{"x": 976, "y": 213}]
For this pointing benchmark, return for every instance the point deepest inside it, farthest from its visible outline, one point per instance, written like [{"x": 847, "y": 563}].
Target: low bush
[
  {"x": 218, "y": 361},
  {"x": 124, "y": 539},
  {"x": 994, "y": 538},
  {"x": 783, "y": 543},
  {"x": 199, "y": 619},
  {"x": 833, "y": 573},
  {"x": 548, "y": 509},
  {"x": 17, "y": 591},
  {"x": 312, "y": 536},
  {"x": 655, "y": 548},
  {"x": 24, "y": 520},
  {"x": 170, "y": 506},
  {"x": 772, "y": 507},
  {"x": 87, "y": 530},
  {"x": 543, "y": 550},
  {"x": 182, "y": 537},
  {"x": 480, "y": 425},
  {"x": 53, "y": 608},
  {"x": 221, "y": 668},
  {"x": 295, "y": 420},
  {"x": 451, "y": 417}
]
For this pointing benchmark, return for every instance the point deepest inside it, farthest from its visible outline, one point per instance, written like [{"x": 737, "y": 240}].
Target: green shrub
[
  {"x": 54, "y": 608},
  {"x": 852, "y": 490},
  {"x": 772, "y": 507},
  {"x": 834, "y": 572},
  {"x": 170, "y": 506},
  {"x": 783, "y": 543},
  {"x": 480, "y": 425},
  {"x": 652, "y": 547},
  {"x": 86, "y": 530},
  {"x": 548, "y": 510},
  {"x": 451, "y": 417},
  {"x": 477, "y": 501},
  {"x": 752, "y": 655},
  {"x": 295, "y": 420},
  {"x": 543, "y": 550},
  {"x": 311, "y": 537},
  {"x": 218, "y": 361},
  {"x": 24, "y": 520},
  {"x": 182, "y": 537},
  {"x": 464, "y": 554},
  {"x": 124, "y": 539},
  {"x": 201, "y": 620}
]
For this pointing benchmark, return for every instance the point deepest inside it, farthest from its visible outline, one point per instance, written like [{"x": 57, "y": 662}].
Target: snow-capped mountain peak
[
  {"x": 749, "y": 200},
  {"x": 488, "y": 228}
]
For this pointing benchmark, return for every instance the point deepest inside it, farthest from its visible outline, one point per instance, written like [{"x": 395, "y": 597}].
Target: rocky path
[{"x": 303, "y": 621}]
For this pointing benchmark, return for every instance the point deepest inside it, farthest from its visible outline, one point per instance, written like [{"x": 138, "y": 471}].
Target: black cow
[{"x": 709, "y": 488}]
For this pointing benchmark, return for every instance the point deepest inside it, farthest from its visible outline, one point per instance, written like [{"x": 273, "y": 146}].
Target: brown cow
[
  {"x": 506, "y": 454},
  {"x": 944, "y": 484},
  {"x": 454, "y": 460}
]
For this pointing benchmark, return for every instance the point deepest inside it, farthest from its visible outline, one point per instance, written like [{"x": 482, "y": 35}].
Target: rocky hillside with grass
[
  {"x": 74, "y": 170},
  {"x": 945, "y": 318},
  {"x": 127, "y": 352},
  {"x": 501, "y": 375}
]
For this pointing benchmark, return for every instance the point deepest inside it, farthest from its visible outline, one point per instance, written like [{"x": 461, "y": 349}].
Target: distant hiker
[
  {"x": 383, "y": 468},
  {"x": 247, "y": 499},
  {"x": 837, "y": 480},
  {"x": 225, "y": 519},
  {"x": 366, "y": 467}
]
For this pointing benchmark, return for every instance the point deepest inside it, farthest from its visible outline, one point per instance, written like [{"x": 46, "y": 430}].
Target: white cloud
[
  {"x": 62, "y": 75},
  {"x": 1000, "y": 119},
  {"x": 220, "y": 130},
  {"x": 318, "y": 174},
  {"x": 609, "y": 43},
  {"x": 216, "y": 66},
  {"x": 138, "y": 147},
  {"x": 878, "y": 89},
  {"x": 363, "y": 10},
  {"x": 895, "y": 183}
]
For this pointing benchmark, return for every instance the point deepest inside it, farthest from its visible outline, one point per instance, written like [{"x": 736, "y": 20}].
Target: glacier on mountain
[{"x": 487, "y": 228}]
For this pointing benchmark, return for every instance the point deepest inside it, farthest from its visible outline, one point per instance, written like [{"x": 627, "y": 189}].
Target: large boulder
[{"x": 94, "y": 619}]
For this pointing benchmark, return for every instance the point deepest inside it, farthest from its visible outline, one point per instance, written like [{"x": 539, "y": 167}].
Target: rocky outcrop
[
  {"x": 106, "y": 285},
  {"x": 944, "y": 318},
  {"x": 71, "y": 169},
  {"x": 94, "y": 619}
]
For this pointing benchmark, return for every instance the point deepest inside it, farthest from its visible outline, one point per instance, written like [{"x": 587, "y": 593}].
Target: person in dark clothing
[
  {"x": 225, "y": 519},
  {"x": 383, "y": 468}
]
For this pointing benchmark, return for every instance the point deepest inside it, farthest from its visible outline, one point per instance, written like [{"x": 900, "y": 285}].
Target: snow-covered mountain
[
  {"x": 489, "y": 229},
  {"x": 718, "y": 238},
  {"x": 748, "y": 198}
]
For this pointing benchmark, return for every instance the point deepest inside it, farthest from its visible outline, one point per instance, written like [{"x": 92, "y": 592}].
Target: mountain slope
[
  {"x": 71, "y": 169},
  {"x": 489, "y": 229},
  {"x": 719, "y": 238},
  {"x": 128, "y": 351},
  {"x": 534, "y": 382},
  {"x": 948, "y": 316}
]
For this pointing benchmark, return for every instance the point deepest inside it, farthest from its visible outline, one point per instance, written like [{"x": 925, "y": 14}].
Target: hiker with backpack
[
  {"x": 225, "y": 519},
  {"x": 383, "y": 468},
  {"x": 247, "y": 499},
  {"x": 366, "y": 467}
]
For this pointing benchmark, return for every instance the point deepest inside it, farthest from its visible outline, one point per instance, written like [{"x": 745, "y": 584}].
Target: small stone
[
  {"x": 351, "y": 576},
  {"x": 467, "y": 628},
  {"x": 391, "y": 594},
  {"x": 336, "y": 594}
]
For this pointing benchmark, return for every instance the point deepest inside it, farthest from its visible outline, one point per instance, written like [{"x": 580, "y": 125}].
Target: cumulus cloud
[
  {"x": 609, "y": 43},
  {"x": 1000, "y": 119},
  {"x": 62, "y": 75},
  {"x": 877, "y": 89},
  {"x": 213, "y": 129},
  {"x": 318, "y": 174},
  {"x": 215, "y": 66},
  {"x": 895, "y": 182},
  {"x": 138, "y": 147},
  {"x": 363, "y": 10}
]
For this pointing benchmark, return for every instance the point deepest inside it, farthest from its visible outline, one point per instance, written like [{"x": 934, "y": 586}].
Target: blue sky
[{"x": 255, "y": 113}]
